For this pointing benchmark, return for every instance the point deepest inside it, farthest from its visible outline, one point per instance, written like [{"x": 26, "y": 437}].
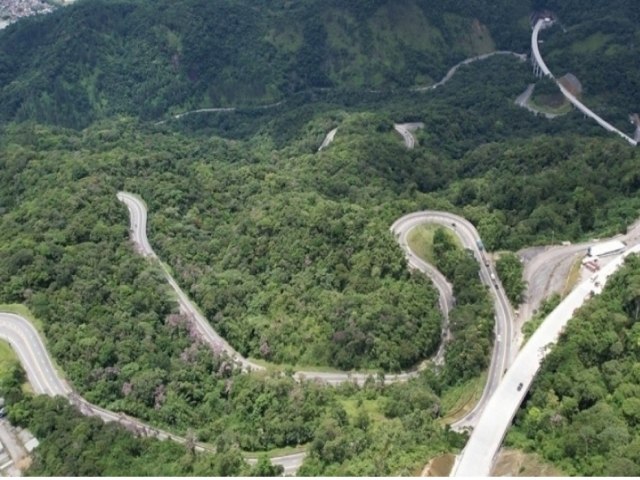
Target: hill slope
[{"x": 145, "y": 58}]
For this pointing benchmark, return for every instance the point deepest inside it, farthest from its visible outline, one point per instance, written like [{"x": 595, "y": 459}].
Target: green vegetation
[
  {"x": 74, "y": 445},
  {"x": 573, "y": 277},
  {"x": 460, "y": 399},
  {"x": 286, "y": 251},
  {"x": 361, "y": 443},
  {"x": 510, "y": 271},
  {"x": 10, "y": 370},
  {"x": 281, "y": 248},
  {"x": 420, "y": 240},
  {"x": 8, "y": 357},
  {"x": 583, "y": 410},
  {"x": 471, "y": 321},
  {"x": 149, "y": 58},
  {"x": 598, "y": 42},
  {"x": 547, "y": 306}
]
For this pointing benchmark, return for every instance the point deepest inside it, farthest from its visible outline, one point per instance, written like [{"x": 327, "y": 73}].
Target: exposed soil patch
[
  {"x": 439, "y": 466},
  {"x": 516, "y": 463}
]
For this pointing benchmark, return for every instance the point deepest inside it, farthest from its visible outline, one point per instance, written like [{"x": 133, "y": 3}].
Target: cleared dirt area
[
  {"x": 516, "y": 463},
  {"x": 439, "y": 466}
]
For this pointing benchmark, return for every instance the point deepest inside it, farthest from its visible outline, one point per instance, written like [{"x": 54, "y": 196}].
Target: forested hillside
[
  {"x": 599, "y": 42},
  {"x": 286, "y": 250},
  {"x": 147, "y": 58},
  {"x": 583, "y": 411}
]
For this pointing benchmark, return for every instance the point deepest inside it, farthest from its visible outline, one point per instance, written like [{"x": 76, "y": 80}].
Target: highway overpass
[
  {"x": 478, "y": 456},
  {"x": 535, "y": 52}
]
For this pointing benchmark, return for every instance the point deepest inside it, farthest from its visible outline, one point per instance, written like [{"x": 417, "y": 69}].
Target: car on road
[{"x": 520, "y": 386}]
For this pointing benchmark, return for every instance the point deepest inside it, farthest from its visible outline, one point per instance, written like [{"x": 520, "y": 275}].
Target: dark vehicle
[{"x": 520, "y": 386}]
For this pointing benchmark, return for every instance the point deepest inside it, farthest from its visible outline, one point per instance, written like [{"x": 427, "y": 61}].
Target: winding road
[
  {"x": 45, "y": 379},
  {"x": 543, "y": 23},
  {"x": 406, "y": 131},
  {"x": 138, "y": 218},
  {"x": 521, "y": 56},
  {"x": 328, "y": 139},
  {"x": 33, "y": 355},
  {"x": 523, "y": 101},
  {"x": 460, "y": 226},
  {"x": 501, "y": 396},
  {"x": 504, "y": 318},
  {"x": 138, "y": 222}
]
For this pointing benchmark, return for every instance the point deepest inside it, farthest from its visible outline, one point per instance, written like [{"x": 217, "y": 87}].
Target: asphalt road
[
  {"x": 44, "y": 378},
  {"x": 540, "y": 24},
  {"x": 401, "y": 229},
  {"x": 328, "y": 139},
  {"x": 467, "y": 61},
  {"x": 469, "y": 237},
  {"x": 523, "y": 101},
  {"x": 546, "y": 270},
  {"x": 476, "y": 460},
  {"x": 463, "y": 229},
  {"x": 406, "y": 129},
  {"x": 138, "y": 221},
  {"x": 33, "y": 355}
]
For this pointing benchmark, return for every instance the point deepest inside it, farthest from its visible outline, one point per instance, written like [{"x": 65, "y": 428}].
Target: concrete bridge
[{"x": 540, "y": 69}]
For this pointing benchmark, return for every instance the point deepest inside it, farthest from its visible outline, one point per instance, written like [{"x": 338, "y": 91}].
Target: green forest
[
  {"x": 583, "y": 410},
  {"x": 286, "y": 250},
  {"x": 148, "y": 58}
]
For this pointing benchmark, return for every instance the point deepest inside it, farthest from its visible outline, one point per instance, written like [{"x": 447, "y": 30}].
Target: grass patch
[
  {"x": 550, "y": 104},
  {"x": 372, "y": 407},
  {"x": 7, "y": 357},
  {"x": 591, "y": 44},
  {"x": 420, "y": 240},
  {"x": 23, "y": 311},
  {"x": 460, "y": 399},
  {"x": 545, "y": 309},
  {"x": 573, "y": 276}
]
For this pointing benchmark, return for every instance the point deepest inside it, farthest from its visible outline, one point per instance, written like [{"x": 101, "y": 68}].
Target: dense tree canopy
[
  {"x": 583, "y": 411},
  {"x": 287, "y": 251}
]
